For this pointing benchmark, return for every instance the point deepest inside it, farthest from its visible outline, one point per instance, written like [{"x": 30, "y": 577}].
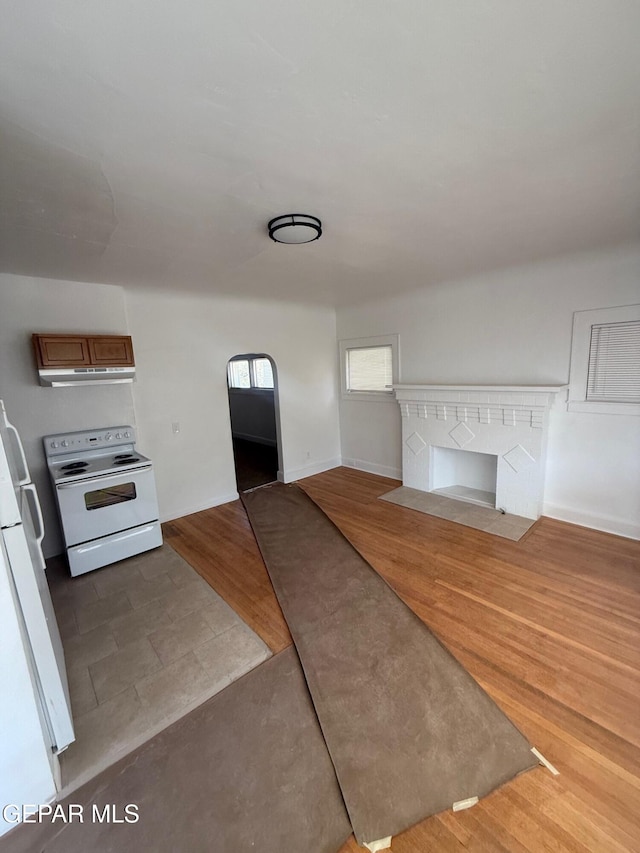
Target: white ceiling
[{"x": 148, "y": 142}]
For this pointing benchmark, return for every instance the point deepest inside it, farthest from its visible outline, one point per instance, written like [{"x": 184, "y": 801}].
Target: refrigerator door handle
[
  {"x": 25, "y": 478},
  {"x": 30, "y": 487}
]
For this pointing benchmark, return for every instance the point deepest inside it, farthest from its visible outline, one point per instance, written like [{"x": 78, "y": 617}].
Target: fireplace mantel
[
  {"x": 505, "y": 421},
  {"x": 478, "y": 393}
]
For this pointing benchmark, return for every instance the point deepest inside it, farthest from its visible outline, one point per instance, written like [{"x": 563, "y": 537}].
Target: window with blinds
[
  {"x": 604, "y": 374},
  {"x": 250, "y": 373},
  {"x": 614, "y": 363},
  {"x": 370, "y": 369},
  {"x": 239, "y": 374},
  {"x": 262, "y": 373}
]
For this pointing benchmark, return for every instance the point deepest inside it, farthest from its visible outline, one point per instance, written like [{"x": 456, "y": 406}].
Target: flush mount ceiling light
[{"x": 295, "y": 228}]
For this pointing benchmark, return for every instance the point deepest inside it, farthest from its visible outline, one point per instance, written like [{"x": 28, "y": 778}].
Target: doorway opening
[{"x": 253, "y": 407}]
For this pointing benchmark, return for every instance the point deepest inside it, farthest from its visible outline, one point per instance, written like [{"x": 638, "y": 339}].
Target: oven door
[{"x": 102, "y": 505}]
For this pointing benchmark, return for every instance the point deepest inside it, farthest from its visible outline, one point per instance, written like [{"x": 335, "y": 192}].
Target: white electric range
[{"x": 106, "y": 495}]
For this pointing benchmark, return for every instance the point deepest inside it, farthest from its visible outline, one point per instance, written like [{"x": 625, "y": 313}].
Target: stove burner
[
  {"x": 123, "y": 456},
  {"x": 126, "y": 460},
  {"x": 74, "y": 466}
]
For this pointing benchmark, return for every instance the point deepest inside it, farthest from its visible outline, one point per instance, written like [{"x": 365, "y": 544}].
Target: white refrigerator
[{"x": 35, "y": 712}]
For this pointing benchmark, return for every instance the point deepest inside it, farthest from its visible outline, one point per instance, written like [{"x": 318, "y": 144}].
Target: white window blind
[
  {"x": 239, "y": 376},
  {"x": 614, "y": 363},
  {"x": 262, "y": 373},
  {"x": 370, "y": 368},
  {"x": 251, "y": 373}
]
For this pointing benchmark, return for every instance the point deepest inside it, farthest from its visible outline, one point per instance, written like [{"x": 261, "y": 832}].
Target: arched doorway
[{"x": 253, "y": 408}]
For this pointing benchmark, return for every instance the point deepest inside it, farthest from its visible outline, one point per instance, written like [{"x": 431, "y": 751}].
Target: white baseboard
[
  {"x": 216, "y": 501},
  {"x": 288, "y": 476},
  {"x": 292, "y": 474},
  {"x": 596, "y": 522},
  {"x": 373, "y": 468}
]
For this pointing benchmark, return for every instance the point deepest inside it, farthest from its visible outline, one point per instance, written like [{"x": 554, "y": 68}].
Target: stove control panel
[{"x": 76, "y": 442}]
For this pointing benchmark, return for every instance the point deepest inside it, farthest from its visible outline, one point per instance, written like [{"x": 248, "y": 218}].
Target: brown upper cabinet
[
  {"x": 111, "y": 350},
  {"x": 83, "y": 350}
]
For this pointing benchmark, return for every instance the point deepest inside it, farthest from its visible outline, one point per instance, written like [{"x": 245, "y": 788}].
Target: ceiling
[{"x": 148, "y": 143}]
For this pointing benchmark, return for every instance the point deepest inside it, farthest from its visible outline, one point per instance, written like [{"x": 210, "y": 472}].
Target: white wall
[
  {"x": 182, "y": 344},
  {"x": 511, "y": 327},
  {"x": 30, "y": 305}
]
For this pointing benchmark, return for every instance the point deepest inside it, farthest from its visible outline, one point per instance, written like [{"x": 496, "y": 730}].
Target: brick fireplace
[{"x": 500, "y": 431}]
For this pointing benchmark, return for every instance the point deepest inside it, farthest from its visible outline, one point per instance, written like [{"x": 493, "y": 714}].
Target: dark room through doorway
[{"x": 252, "y": 384}]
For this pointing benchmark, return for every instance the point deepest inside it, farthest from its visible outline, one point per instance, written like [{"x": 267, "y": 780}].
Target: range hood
[
  {"x": 59, "y": 377},
  {"x": 72, "y": 359}
]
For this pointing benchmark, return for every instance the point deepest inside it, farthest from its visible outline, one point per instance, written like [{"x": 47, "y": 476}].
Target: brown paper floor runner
[
  {"x": 247, "y": 771},
  {"x": 408, "y": 729}
]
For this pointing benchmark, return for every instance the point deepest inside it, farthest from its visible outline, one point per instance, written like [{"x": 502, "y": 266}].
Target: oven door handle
[{"x": 103, "y": 479}]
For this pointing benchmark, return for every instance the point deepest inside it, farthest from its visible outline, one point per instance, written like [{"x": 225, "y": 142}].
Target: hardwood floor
[{"x": 549, "y": 626}]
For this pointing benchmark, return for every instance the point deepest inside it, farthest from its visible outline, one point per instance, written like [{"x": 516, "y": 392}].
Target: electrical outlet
[{"x": 175, "y": 427}]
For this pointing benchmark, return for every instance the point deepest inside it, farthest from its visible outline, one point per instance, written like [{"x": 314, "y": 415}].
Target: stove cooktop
[
  {"x": 92, "y": 453},
  {"x": 96, "y": 466}
]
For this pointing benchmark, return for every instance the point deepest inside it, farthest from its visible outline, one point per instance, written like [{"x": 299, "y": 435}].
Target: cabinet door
[
  {"x": 61, "y": 350},
  {"x": 111, "y": 350}
]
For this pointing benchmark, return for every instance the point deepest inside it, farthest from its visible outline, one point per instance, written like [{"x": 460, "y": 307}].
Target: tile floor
[
  {"x": 146, "y": 640},
  {"x": 481, "y": 518}
]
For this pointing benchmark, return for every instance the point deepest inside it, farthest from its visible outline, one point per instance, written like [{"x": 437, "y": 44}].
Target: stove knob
[
  {"x": 127, "y": 434},
  {"x": 64, "y": 443},
  {"x": 118, "y": 435},
  {"x": 54, "y": 444},
  {"x": 108, "y": 436}
]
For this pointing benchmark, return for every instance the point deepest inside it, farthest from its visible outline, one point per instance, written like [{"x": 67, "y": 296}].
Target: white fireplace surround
[{"x": 509, "y": 422}]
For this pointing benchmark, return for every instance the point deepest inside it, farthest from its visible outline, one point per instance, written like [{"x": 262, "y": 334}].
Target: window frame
[
  {"x": 579, "y": 367},
  {"x": 230, "y": 370},
  {"x": 253, "y": 387},
  {"x": 347, "y": 344}
]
